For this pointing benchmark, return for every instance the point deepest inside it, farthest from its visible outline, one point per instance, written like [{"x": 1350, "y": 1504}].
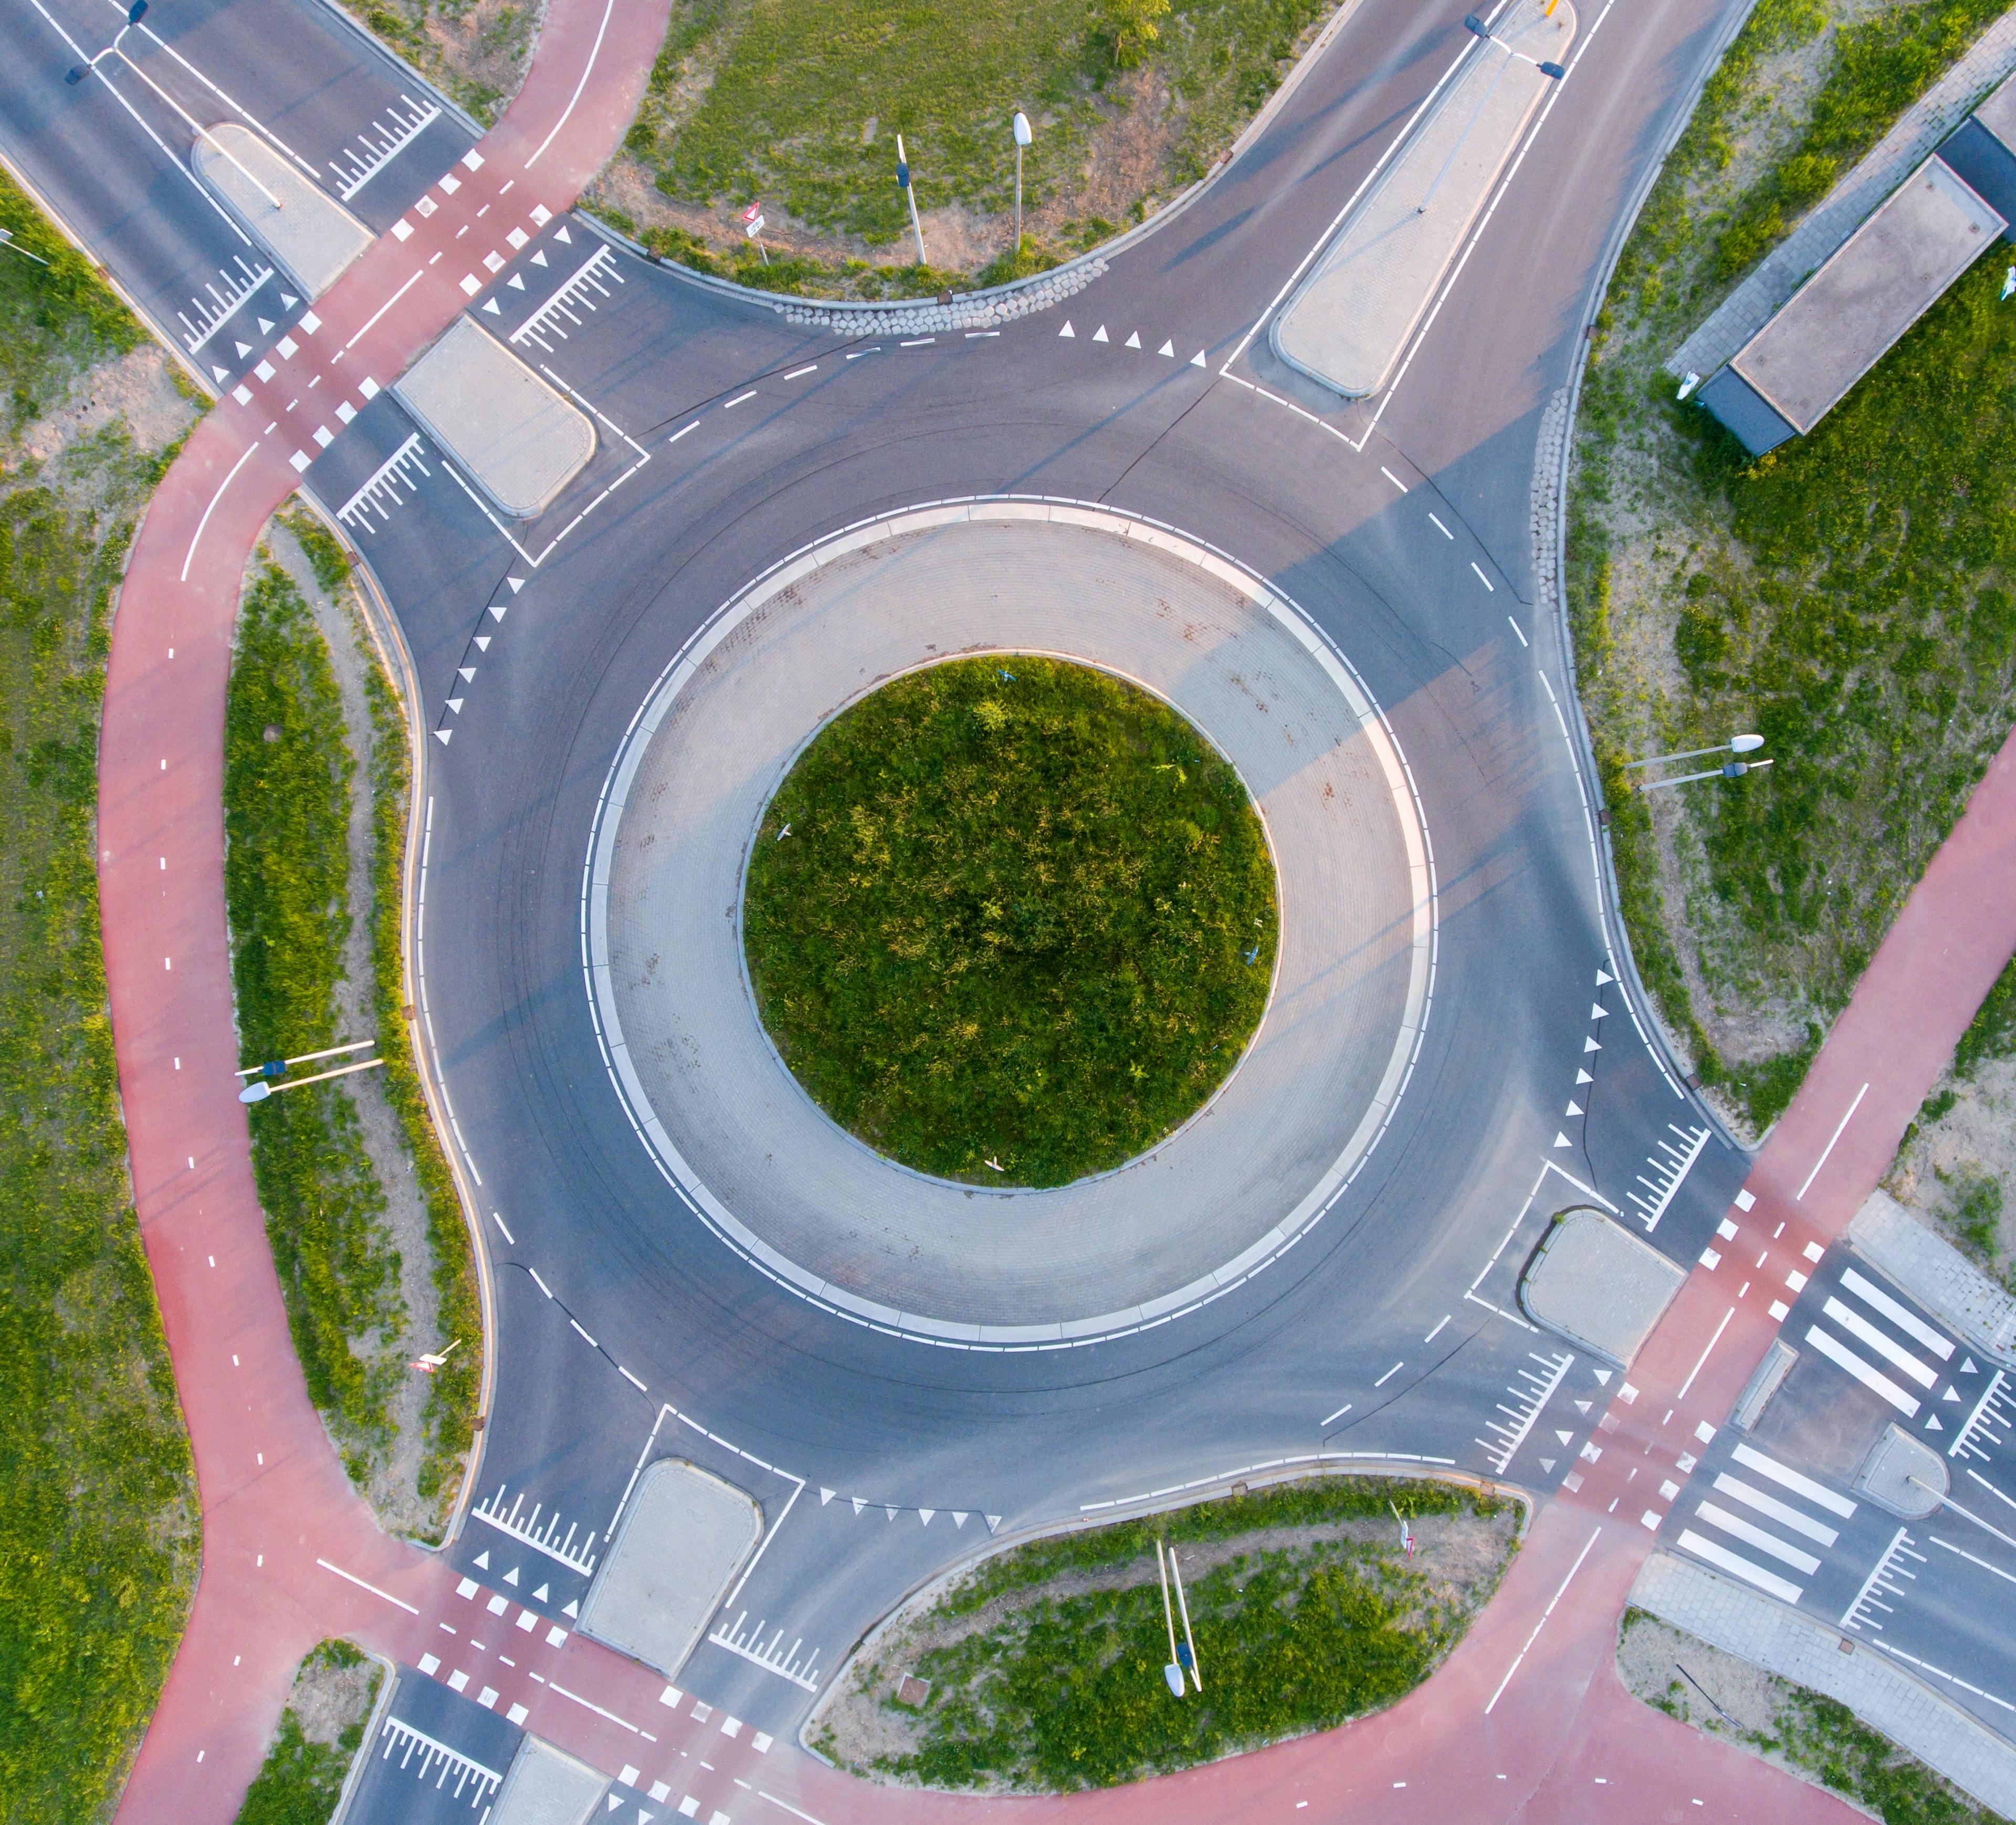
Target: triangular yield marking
[
  {"x": 497, "y": 609},
  {"x": 1099, "y": 335},
  {"x": 1590, "y": 1044},
  {"x": 221, "y": 373},
  {"x": 483, "y": 643},
  {"x": 1950, "y": 1393},
  {"x": 1583, "y": 1077},
  {"x": 543, "y": 1594},
  {"x": 1067, "y": 329},
  {"x": 288, "y": 299},
  {"x": 1582, "y": 1407},
  {"x": 958, "y": 1517},
  {"x": 516, "y": 282},
  {"x": 490, "y": 304},
  {"x": 1546, "y": 1463},
  {"x": 482, "y": 1560},
  {"x": 454, "y": 703},
  {"x": 1169, "y": 349},
  {"x": 539, "y": 258},
  {"x": 889, "y": 1511},
  {"x": 511, "y": 1576},
  {"x": 993, "y": 1522},
  {"x": 825, "y": 1495},
  {"x": 1932, "y": 1424},
  {"x": 561, "y": 235},
  {"x": 1967, "y": 1368},
  {"x": 615, "y": 1800},
  {"x": 1565, "y": 1438},
  {"x": 1574, "y": 1108},
  {"x": 517, "y": 583},
  {"x": 243, "y": 348},
  {"x": 1561, "y": 1140},
  {"x": 859, "y": 1504},
  {"x": 1603, "y": 1376},
  {"x": 468, "y": 673},
  {"x": 1604, "y": 978},
  {"x": 925, "y": 1514},
  {"x": 1597, "y": 1010},
  {"x": 1134, "y": 341},
  {"x": 265, "y": 326},
  {"x": 573, "y": 1608},
  {"x": 1196, "y": 360}
]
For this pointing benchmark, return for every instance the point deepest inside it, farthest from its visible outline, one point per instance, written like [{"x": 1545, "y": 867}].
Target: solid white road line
[
  {"x": 1735, "y": 1564},
  {"x": 190, "y": 558},
  {"x": 1838, "y": 1353},
  {"x": 595, "y": 50},
  {"x": 1544, "y": 1615},
  {"x": 1908, "y": 1323},
  {"x": 1780, "y": 1512},
  {"x": 361, "y": 1585},
  {"x": 1736, "y": 1526},
  {"x": 1817, "y": 1494},
  {"x": 1702, "y": 1359},
  {"x": 1829, "y": 1148},
  {"x": 1856, "y": 1325}
]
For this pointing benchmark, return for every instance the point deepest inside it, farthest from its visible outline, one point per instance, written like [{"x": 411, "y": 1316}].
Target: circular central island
[
  {"x": 1010, "y": 920},
  {"x": 1009, "y": 924}
]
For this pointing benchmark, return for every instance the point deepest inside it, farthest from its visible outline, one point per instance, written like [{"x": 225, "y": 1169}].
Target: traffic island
[
  {"x": 1349, "y": 321},
  {"x": 519, "y": 440},
  {"x": 1044, "y": 1668},
  {"x": 980, "y": 1260},
  {"x": 1598, "y": 1285},
  {"x": 307, "y": 231}
]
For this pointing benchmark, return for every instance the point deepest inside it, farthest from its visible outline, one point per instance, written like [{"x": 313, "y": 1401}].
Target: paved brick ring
[{"x": 751, "y": 1154}]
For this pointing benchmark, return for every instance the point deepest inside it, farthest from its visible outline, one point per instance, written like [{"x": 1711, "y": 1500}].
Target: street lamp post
[
  {"x": 262, "y": 1075},
  {"x": 1740, "y": 744},
  {"x": 1023, "y": 137}
]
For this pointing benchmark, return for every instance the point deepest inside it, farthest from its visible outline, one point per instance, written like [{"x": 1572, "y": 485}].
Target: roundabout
[{"x": 742, "y": 1145}]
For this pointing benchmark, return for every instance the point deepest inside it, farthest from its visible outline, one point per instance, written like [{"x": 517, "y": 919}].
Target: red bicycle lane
[{"x": 267, "y": 1475}]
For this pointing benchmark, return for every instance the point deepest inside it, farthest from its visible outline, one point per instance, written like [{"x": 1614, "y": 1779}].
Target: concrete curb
[{"x": 1854, "y": 1672}]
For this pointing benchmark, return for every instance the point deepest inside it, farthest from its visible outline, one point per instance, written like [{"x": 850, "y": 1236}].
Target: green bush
[
  {"x": 1023, "y": 923},
  {"x": 1066, "y": 1691},
  {"x": 287, "y": 775},
  {"x": 300, "y": 1780}
]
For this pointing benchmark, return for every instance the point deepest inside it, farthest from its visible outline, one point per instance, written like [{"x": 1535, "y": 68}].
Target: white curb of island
[{"x": 677, "y": 1173}]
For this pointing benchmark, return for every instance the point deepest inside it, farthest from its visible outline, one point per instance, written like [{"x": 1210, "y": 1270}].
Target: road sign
[
  {"x": 752, "y": 225},
  {"x": 754, "y": 211}
]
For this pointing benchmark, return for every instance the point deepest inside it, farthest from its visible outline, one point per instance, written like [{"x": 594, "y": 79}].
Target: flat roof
[
  {"x": 1881, "y": 280},
  {"x": 1998, "y": 113}
]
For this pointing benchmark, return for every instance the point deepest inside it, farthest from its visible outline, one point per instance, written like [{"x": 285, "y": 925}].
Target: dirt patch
[
  {"x": 1956, "y": 1168},
  {"x": 477, "y": 52},
  {"x": 333, "y": 1689},
  {"x": 1461, "y": 1556},
  {"x": 141, "y": 389}
]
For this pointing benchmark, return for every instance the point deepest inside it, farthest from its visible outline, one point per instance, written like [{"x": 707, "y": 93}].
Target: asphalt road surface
[{"x": 730, "y": 439}]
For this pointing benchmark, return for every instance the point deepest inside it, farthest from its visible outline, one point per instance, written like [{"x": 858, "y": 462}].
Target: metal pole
[
  {"x": 259, "y": 1091},
  {"x": 309, "y": 1057},
  {"x": 1182, "y": 1603},
  {"x": 1169, "y": 1616},
  {"x": 910, "y": 191},
  {"x": 1018, "y": 197}
]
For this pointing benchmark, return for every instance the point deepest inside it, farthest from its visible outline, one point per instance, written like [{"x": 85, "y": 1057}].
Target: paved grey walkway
[
  {"x": 1844, "y": 209},
  {"x": 1207, "y": 1206},
  {"x": 1349, "y": 321},
  {"x": 1796, "y": 1647},
  {"x": 1936, "y": 1274}
]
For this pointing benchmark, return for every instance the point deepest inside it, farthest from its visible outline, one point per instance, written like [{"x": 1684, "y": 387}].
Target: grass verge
[
  {"x": 799, "y": 104},
  {"x": 317, "y": 1737},
  {"x": 1045, "y": 1664},
  {"x": 1022, "y": 925},
  {"x": 1845, "y": 596},
  {"x": 287, "y": 777},
  {"x": 99, "y": 1525}
]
